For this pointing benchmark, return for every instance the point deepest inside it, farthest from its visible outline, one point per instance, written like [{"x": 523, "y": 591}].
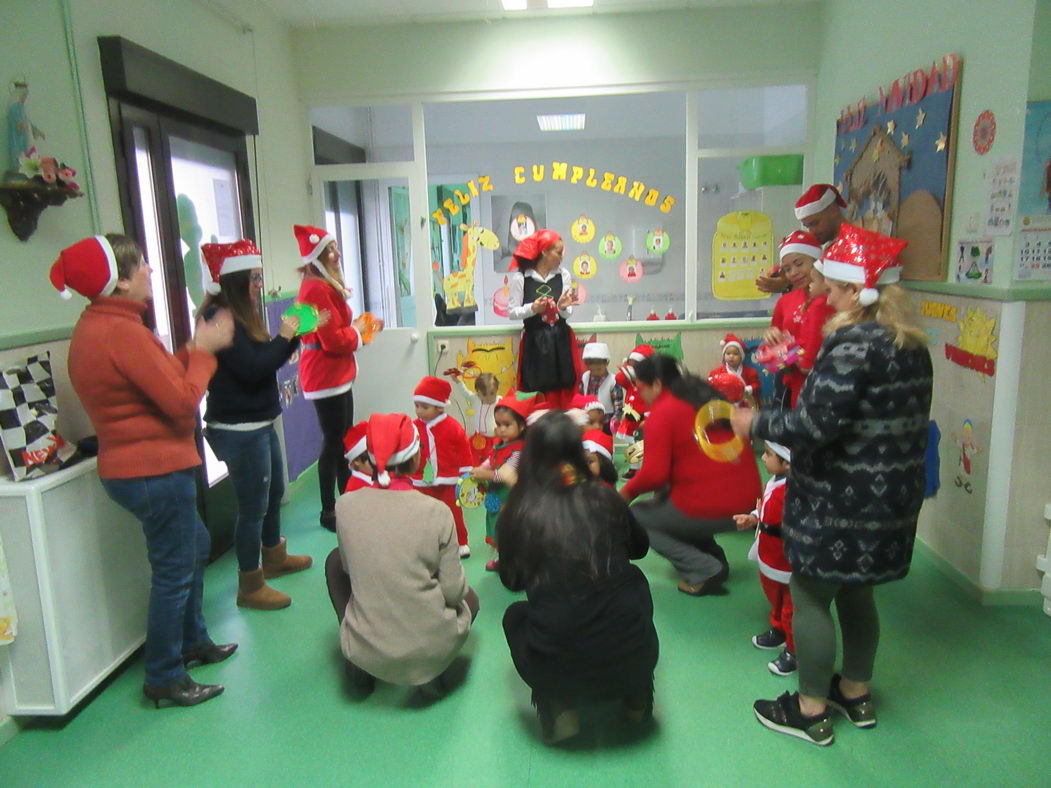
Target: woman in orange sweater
[{"x": 143, "y": 404}]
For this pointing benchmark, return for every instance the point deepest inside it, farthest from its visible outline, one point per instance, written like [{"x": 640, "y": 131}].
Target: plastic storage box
[{"x": 771, "y": 170}]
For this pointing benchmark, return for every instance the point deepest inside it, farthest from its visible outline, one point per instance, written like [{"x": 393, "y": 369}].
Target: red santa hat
[
  {"x": 729, "y": 385},
  {"x": 223, "y": 259},
  {"x": 800, "y": 242},
  {"x": 640, "y": 353},
  {"x": 391, "y": 439},
  {"x": 599, "y": 442},
  {"x": 863, "y": 257},
  {"x": 312, "y": 242},
  {"x": 88, "y": 266},
  {"x": 522, "y": 403},
  {"x": 732, "y": 341},
  {"x": 783, "y": 452},
  {"x": 433, "y": 391},
  {"x": 355, "y": 442},
  {"x": 816, "y": 199},
  {"x": 532, "y": 246}
]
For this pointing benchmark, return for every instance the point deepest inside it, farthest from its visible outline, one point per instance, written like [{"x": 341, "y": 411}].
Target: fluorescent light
[
  {"x": 515, "y": 5},
  {"x": 570, "y": 3},
  {"x": 561, "y": 122}
]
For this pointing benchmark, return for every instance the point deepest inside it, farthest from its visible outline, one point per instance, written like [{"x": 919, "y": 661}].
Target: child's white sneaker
[{"x": 465, "y": 551}]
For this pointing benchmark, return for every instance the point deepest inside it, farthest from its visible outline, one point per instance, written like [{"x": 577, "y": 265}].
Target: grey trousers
[{"x": 686, "y": 541}]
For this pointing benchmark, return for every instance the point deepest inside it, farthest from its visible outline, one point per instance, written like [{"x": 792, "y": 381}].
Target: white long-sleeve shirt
[{"x": 516, "y": 310}]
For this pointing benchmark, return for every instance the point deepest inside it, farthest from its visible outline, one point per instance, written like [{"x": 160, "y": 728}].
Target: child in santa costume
[
  {"x": 798, "y": 252},
  {"x": 356, "y": 454},
  {"x": 812, "y": 331},
  {"x": 499, "y": 471},
  {"x": 733, "y": 364},
  {"x": 444, "y": 450},
  {"x": 769, "y": 550},
  {"x": 626, "y": 423},
  {"x": 541, "y": 295},
  {"x": 597, "y": 381},
  {"x": 598, "y": 448},
  {"x": 594, "y": 413},
  {"x": 327, "y": 367}
]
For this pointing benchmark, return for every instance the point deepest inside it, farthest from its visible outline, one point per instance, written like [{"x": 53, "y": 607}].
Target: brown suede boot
[
  {"x": 252, "y": 591},
  {"x": 277, "y": 561}
]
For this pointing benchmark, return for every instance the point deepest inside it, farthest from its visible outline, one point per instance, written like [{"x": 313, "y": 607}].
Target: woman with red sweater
[
  {"x": 143, "y": 404},
  {"x": 696, "y": 496},
  {"x": 327, "y": 368}
]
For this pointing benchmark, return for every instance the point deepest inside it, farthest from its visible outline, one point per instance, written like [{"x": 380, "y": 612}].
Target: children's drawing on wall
[
  {"x": 515, "y": 217},
  {"x": 1034, "y": 197},
  {"x": 1001, "y": 182},
  {"x": 672, "y": 345},
  {"x": 975, "y": 347},
  {"x": 584, "y": 266},
  {"x": 496, "y": 358},
  {"x": 501, "y": 299},
  {"x": 658, "y": 241},
  {"x": 968, "y": 451},
  {"x": 894, "y": 159},
  {"x": 631, "y": 270},
  {"x": 609, "y": 246},
  {"x": 974, "y": 261},
  {"x": 583, "y": 230},
  {"x": 458, "y": 287}
]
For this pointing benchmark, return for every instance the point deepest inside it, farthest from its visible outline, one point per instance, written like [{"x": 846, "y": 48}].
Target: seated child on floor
[
  {"x": 355, "y": 450},
  {"x": 444, "y": 452},
  {"x": 598, "y": 448},
  {"x": 769, "y": 550},
  {"x": 500, "y": 469}
]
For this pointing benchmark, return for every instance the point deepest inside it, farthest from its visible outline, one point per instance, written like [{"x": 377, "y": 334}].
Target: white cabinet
[{"x": 80, "y": 582}]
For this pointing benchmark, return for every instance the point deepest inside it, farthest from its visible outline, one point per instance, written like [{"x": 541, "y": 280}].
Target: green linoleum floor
[{"x": 963, "y": 694}]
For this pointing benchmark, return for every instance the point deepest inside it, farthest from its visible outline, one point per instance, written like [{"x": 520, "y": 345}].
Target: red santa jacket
[
  {"x": 635, "y": 408},
  {"x": 811, "y": 336},
  {"x": 326, "y": 362},
  {"x": 770, "y": 546},
  {"x": 358, "y": 481},
  {"x": 443, "y": 444},
  {"x": 745, "y": 373},
  {"x": 700, "y": 486}
]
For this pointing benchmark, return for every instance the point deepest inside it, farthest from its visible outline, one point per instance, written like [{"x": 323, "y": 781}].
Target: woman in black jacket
[
  {"x": 241, "y": 409},
  {"x": 585, "y": 632},
  {"x": 858, "y": 437}
]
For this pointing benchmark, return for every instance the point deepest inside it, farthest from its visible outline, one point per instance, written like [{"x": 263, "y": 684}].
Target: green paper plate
[{"x": 307, "y": 314}]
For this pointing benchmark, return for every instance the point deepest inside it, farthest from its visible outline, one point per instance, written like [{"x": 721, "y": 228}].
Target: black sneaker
[
  {"x": 783, "y": 715},
  {"x": 859, "y": 711},
  {"x": 770, "y": 640},
  {"x": 784, "y": 665}
]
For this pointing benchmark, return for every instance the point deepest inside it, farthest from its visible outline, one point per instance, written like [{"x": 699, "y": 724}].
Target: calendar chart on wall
[{"x": 742, "y": 249}]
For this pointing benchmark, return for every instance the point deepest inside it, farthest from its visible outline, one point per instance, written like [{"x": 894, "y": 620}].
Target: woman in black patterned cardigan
[{"x": 858, "y": 437}]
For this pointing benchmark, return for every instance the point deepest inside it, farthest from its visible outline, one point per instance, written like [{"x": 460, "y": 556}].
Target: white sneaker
[{"x": 465, "y": 551}]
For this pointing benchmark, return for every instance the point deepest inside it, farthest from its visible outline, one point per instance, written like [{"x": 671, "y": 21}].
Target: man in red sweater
[{"x": 143, "y": 404}]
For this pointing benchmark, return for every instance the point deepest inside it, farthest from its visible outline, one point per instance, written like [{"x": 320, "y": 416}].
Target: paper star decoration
[
  {"x": 891, "y": 125},
  {"x": 978, "y": 333},
  {"x": 920, "y": 117},
  {"x": 853, "y": 145},
  {"x": 837, "y": 160},
  {"x": 940, "y": 143},
  {"x": 904, "y": 138}
]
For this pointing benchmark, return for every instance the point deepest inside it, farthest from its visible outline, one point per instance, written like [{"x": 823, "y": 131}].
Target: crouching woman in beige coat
[{"x": 395, "y": 580}]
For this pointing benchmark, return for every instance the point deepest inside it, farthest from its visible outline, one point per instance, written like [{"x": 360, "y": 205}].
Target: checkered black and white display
[{"x": 28, "y": 410}]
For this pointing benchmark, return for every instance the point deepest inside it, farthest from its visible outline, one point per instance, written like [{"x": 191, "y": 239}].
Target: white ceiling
[{"x": 324, "y": 13}]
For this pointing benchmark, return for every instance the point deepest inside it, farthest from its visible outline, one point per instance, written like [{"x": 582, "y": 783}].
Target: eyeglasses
[{"x": 256, "y": 279}]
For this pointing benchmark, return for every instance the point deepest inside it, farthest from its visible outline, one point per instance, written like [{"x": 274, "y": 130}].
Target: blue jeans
[
  {"x": 177, "y": 546},
  {"x": 254, "y": 461}
]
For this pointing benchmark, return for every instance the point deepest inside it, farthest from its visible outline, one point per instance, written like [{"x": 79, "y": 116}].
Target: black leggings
[{"x": 335, "y": 415}]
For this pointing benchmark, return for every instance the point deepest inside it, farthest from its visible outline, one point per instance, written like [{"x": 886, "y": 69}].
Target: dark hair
[
  {"x": 677, "y": 380},
  {"x": 607, "y": 471},
  {"x": 514, "y": 414},
  {"x": 236, "y": 296},
  {"x": 403, "y": 468},
  {"x": 127, "y": 253},
  {"x": 550, "y": 529}
]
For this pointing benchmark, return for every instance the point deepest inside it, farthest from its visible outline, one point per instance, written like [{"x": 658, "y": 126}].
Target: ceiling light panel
[{"x": 561, "y": 122}]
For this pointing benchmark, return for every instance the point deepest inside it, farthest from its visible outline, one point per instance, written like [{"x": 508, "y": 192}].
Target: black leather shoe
[
  {"x": 208, "y": 653},
  {"x": 184, "y": 692}
]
